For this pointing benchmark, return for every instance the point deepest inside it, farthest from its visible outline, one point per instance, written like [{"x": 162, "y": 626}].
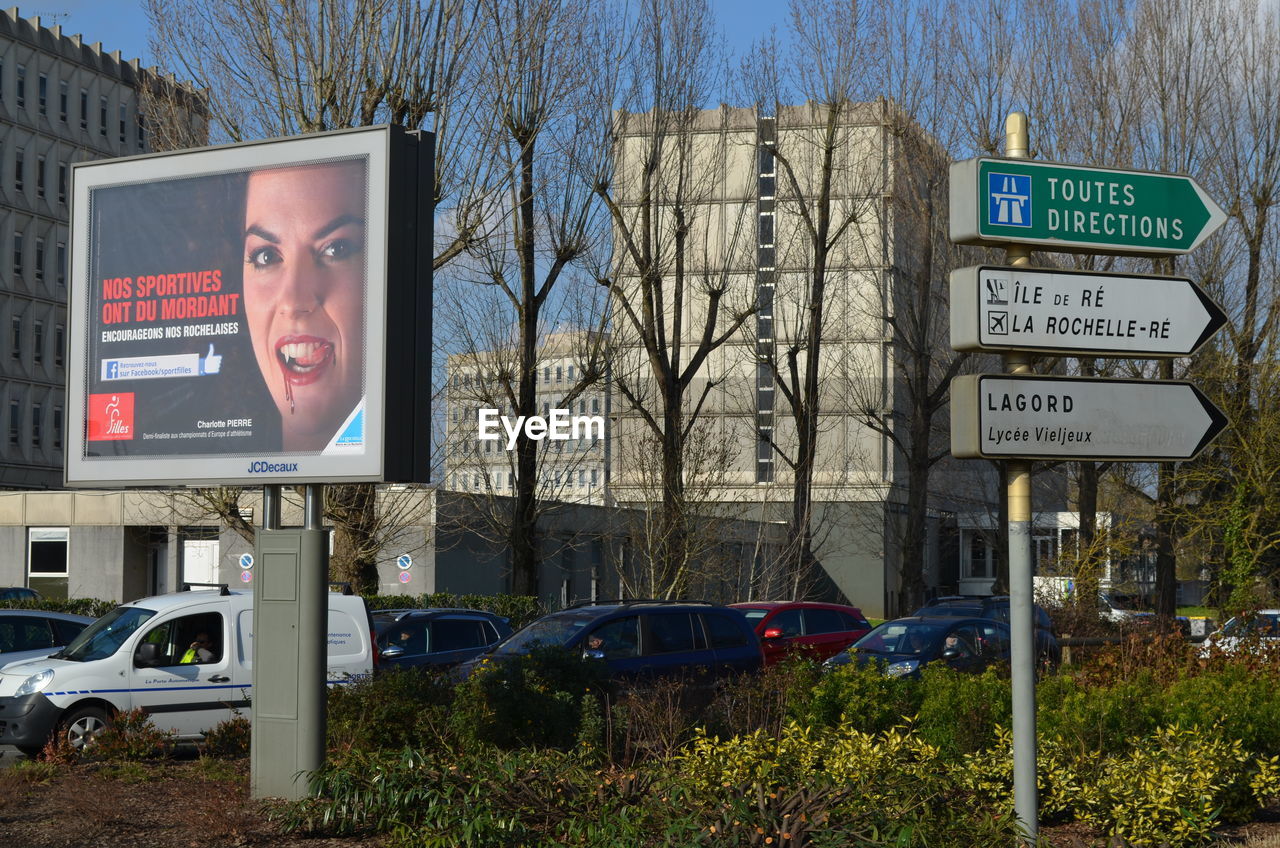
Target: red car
[{"x": 818, "y": 630}]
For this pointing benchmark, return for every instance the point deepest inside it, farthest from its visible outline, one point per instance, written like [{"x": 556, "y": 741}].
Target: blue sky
[{"x": 122, "y": 25}]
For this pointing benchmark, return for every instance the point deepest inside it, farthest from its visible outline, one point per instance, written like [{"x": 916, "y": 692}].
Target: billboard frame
[{"x": 397, "y": 292}]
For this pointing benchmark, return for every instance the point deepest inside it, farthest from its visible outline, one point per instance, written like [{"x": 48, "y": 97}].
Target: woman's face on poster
[{"x": 304, "y": 249}]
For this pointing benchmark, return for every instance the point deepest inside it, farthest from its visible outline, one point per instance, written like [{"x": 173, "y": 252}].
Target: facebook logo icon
[
  {"x": 113, "y": 369},
  {"x": 1009, "y": 200}
]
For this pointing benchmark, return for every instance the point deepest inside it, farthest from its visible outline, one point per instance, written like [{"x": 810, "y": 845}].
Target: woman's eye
[
  {"x": 263, "y": 256},
  {"x": 339, "y": 249}
]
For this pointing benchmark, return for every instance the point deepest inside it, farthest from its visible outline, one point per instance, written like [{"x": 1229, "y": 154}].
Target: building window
[
  {"x": 59, "y": 342},
  {"x": 1, "y": 82},
  {"x": 57, "y": 428},
  {"x": 595, "y": 406},
  {"x": 43, "y": 87},
  {"x": 19, "y": 168},
  {"x": 62, "y": 101},
  {"x": 62, "y": 263},
  {"x": 102, "y": 116},
  {"x": 593, "y": 476},
  {"x": 39, "y": 259},
  {"x": 15, "y": 421},
  {"x": 559, "y": 374},
  {"x": 84, "y": 109},
  {"x": 142, "y": 131},
  {"x": 546, "y": 374},
  {"x": 37, "y": 342},
  {"x": 62, "y": 182},
  {"x": 22, "y": 86},
  {"x": 15, "y": 337},
  {"x": 17, "y": 255},
  {"x": 39, "y": 176},
  {"x": 122, "y": 117},
  {"x": 47, "y": 561},
  {"x": 36, "y": 415}
]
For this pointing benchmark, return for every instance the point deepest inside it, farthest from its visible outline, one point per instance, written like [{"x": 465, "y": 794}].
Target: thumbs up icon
[{"x": 211, "y": 363}]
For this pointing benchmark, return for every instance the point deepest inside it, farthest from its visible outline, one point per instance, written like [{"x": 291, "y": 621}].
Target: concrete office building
[
  {"x": 62, "y": 100},
  {"x": 575, "y": 470},
  {"x": 743, "y": 231}
]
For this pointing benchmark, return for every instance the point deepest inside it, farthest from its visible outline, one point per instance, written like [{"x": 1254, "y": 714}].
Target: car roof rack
[
  {"x": 223, "y": 588},
  {"x": 602, "y": 602}
]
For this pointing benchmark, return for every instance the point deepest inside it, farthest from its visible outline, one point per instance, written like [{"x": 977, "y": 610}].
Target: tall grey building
[
  {"x": 62, "y": 100},
  {"x": 723, "y": 188}
]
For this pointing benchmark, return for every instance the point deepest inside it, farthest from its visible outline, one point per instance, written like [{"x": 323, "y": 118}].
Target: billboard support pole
[
  {"x": 271, "y": 506},
  {"x": 1021, "y": 604}
]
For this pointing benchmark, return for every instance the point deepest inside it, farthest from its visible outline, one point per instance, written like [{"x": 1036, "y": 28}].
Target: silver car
[
  {"x": 1257, "y": 631},
  {"x": 31, "y": 634}
]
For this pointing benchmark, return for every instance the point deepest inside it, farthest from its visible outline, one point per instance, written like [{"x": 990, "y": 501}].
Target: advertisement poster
[{"x": 231, "y": 317}]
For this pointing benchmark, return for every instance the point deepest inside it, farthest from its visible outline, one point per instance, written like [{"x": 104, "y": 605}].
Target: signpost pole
[{"x": 1025, "y": 802}]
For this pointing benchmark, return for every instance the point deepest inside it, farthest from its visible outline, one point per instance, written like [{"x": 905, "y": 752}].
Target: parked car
[
  {"x": 142, "y": 655},
  {"x": 18, "y": 593},
  {"x": 643, "y": 639},
  {"x": 808, "y": 628},
  {"x": 1259, "y": 629},
  {"x": 905, "y": 645},
  {"x": 1048, "y": 651},
  {"x": 435, "y": 638},
  {"x": 31, "y": 634}
]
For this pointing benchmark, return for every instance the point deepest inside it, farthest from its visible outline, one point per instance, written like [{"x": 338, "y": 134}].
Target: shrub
[
  {"x": 959, "y": 712},
  {"x": 91, "y": 607},
  {"x": 534, "y": 699},
  {"x": 389, "y": 711},
  {"x": 518, "y": 609},
  {"x": 862, "y": 697},
  {"x": 1175, "y": 787},
  {"x": 228, "y": 740},
  {"x": 130, "y": 736},
  {"x": 1108, "y": 719}
]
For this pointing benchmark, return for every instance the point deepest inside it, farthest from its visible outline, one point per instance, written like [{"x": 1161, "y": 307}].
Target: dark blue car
[
  {"x": 905, "y": 645},
  {"x": 435, "y": 637},
  {"x": 645, "y": 639}
]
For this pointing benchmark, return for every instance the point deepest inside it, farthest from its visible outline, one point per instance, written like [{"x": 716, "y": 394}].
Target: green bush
[
  {"x": 130, "y": 736},
  {"x": 228, "y": 740},
  {"x": 1242, "y": 704},
  {"x": 91, "y": 607},
  {"x": 861, "y": 696},
  {"x": 392, "y": 710},
  {"x": 959, "y": 712},
  {"x": 529, "y": 700},
  {"x": 1108, "y": 719},
  {"x": 518, "y": 609}
]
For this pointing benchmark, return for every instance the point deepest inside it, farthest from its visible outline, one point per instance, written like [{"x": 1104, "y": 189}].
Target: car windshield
[
  {"x": 900, "y": 637},
  {"x": 105, "y": 636},
  {"x": 552, "y": 630},
  {"x": 1262, "y": 624}
]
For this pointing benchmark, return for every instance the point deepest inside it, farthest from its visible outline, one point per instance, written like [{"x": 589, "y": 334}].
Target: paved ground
[{"x": 9, "y": 755}]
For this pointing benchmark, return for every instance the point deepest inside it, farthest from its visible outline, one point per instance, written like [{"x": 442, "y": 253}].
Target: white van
[{"x": 185, "y": 658}]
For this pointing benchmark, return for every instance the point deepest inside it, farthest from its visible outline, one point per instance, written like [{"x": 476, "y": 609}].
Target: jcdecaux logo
[{"x": 272, "y": 467}]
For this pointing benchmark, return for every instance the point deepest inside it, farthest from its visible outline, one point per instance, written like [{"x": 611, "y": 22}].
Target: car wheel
[{"x": 82, "y": 725}]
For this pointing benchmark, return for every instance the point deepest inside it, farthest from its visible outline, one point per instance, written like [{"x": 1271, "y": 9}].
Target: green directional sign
[{"x": 1077, "y": 209}]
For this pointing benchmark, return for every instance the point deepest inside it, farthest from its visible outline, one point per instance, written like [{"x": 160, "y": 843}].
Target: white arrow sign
[
  {"x": 1001, "y": 308},
  {"x": 1012, "y": 415}
]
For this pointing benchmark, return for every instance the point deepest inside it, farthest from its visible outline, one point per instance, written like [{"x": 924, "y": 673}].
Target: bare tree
[
  {"x": 673, "y": 299},
  {"x": 270, "y": 69},
  {"x": 533, "y": 74}
]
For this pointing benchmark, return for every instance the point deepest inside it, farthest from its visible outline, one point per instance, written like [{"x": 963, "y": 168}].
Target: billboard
[{"x": 234, "y": 312}]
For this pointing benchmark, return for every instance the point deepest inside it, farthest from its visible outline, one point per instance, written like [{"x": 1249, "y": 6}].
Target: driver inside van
[{"x": 201, "y": 650}]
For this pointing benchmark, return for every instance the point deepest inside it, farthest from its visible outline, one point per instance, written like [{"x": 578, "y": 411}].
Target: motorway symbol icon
[{"x": 1078, "y": 209}]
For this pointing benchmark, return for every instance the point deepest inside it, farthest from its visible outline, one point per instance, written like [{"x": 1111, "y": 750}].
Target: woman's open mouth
[{"x": 303, "y": 359}]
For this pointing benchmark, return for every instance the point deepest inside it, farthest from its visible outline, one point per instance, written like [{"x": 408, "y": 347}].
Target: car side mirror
[
  {"x": 148, "y": 653},
  {"x": 392, "y": 651},
  {"x": 951, "y": 654},
  {"x": 773, "y": 633}
]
